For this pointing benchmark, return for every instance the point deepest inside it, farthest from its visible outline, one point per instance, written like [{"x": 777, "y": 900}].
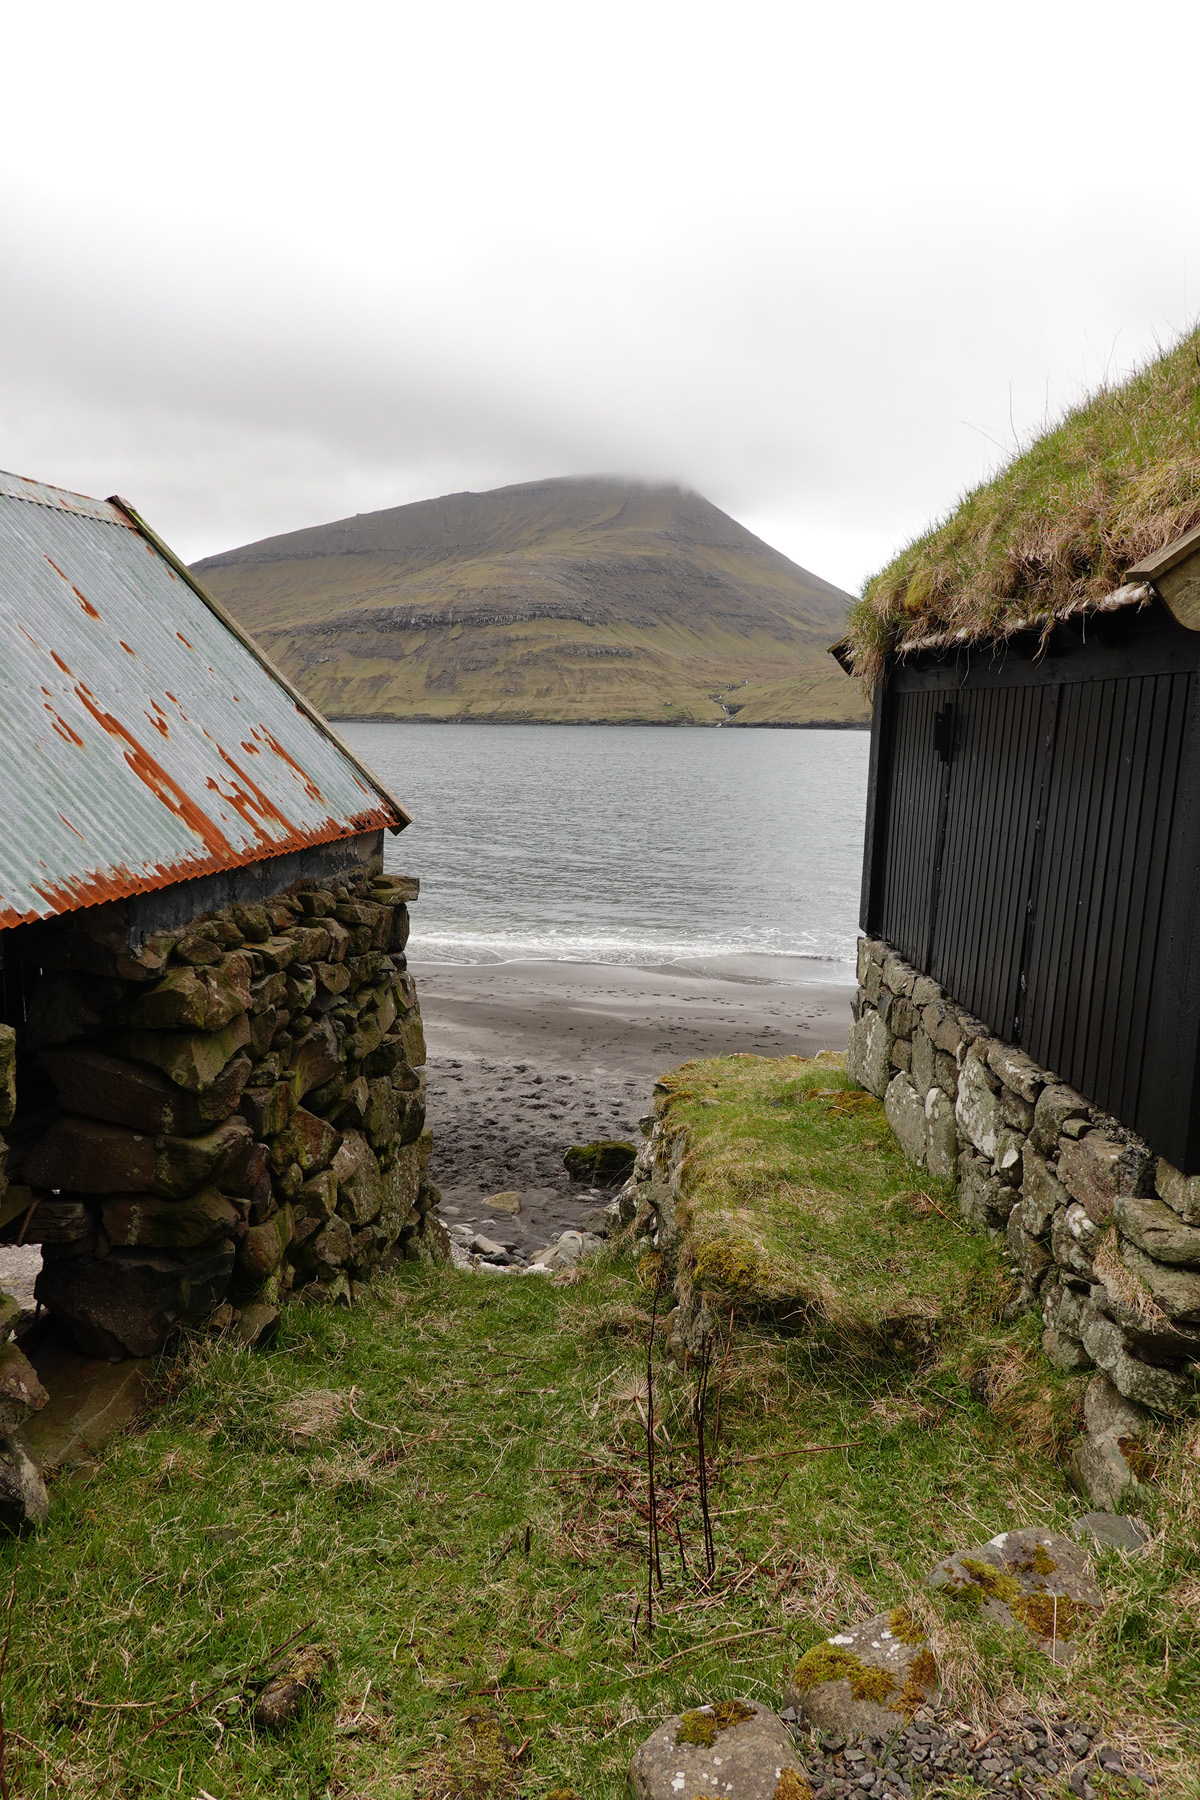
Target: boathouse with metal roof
[
  {"x": 211, "y": 1086},
  {"x": 147, "y": 740}
]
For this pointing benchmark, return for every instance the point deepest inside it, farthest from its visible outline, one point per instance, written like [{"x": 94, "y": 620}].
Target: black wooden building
[{"x": 1033, "y": 840}]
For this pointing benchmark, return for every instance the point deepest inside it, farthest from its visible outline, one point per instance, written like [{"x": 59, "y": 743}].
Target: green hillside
[{"x": 589, "y": 600}]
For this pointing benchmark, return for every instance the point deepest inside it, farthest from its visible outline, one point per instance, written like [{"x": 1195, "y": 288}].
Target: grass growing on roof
[
  {"x": 472, "y": 1416},
  {"x": 1063, "y": 520}
]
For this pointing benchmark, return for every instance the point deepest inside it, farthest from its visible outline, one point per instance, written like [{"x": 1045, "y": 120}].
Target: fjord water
[{"x": 629, "y": 844}]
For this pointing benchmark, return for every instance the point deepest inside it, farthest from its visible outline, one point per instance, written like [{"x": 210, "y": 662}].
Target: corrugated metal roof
[{"x": 143, "y": 739}]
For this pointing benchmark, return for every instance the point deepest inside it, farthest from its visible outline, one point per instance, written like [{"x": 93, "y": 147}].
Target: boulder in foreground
[
  {"x": 735, "y": 1748},
  {"x": 868, "y": 1680},
  {"x": 1037, "y": 1579}
]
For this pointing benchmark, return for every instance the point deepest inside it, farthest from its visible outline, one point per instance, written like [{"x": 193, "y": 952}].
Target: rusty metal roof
[{"x": 144, "y": 738}]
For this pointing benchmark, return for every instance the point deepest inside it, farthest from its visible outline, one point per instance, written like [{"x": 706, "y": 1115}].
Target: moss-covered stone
[
  {"x": 728, "y": 1267},
  {"x": 734, "y": 1747},
  {"x": 1030, "y": 1578},
  {"x": 866, "y": 1679},
  {"x": 704, "y": 1725},
  {"x": 988, "y": 1583},
  {"x": 905, "y": 1627},
  {"x": 833, "y": 1662},
  {"x": 1049, "y": 1616},
  {"x": 792, "y": 1786},
  {"x": 604, "y": 1162},
  {"x": 919, "y": 1683}
]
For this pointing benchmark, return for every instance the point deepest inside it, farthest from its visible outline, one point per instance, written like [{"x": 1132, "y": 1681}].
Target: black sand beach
[{"x": 527, "y": 1058}]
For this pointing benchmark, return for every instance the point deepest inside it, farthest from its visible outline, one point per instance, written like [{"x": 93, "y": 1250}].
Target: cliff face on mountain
[{"x": 568, "y": 601}]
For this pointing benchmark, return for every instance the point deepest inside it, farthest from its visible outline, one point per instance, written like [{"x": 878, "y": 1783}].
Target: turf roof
[{"x": 1054, "y": 532}]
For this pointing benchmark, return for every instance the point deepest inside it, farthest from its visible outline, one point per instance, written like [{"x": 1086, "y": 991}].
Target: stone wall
[
  {"x": 1104, "y": 1236},
  {"x": 218, "y": 1115}
]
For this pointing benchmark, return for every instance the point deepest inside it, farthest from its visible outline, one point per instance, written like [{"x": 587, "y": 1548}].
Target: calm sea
[{"x": 626, "y": 844}]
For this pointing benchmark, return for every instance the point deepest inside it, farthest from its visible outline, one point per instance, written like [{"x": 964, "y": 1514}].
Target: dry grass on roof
[{"x": 1118, "y": 478}]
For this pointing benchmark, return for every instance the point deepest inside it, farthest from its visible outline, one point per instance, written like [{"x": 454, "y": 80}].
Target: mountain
[{"x": 570, "y": 600}]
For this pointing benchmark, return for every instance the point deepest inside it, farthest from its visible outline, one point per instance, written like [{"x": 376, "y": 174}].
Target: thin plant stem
[
  {"x": 12, "y": 1594},
  {"x": 721, "y": 1383},
  {"x": 710, "y": 1555},
  {"x": 653, "y": 1561}
]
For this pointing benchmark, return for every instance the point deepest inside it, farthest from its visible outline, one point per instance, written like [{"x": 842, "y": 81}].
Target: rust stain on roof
[
  {"x": 93, "y": 812},
  {"x": 310, "y": 786},
  {"x": 161, "y": 785}
]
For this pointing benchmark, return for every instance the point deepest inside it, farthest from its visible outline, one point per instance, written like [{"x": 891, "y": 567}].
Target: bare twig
[
  {"x": 721, "y": 1383},
  {"x": 373, "y": 1423},
  {"x": 113, "y": 1705},
  {"x": 264, "y": 1663},
  {"x": 59, "y": 1772},
  {"x": 710, "y": 1555},
  {"x": 653, "y": 1561},
  {"x": 735, "y": 1637},
  {"x": 800, "y": 1450},
  {"x": 679, "y": 1540}
]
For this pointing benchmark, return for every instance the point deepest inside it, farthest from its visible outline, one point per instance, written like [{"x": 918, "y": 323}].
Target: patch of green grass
[
  {"x": 464, "y": 1525},
  {"x": 1117, "y": 478},
  {"x": 797, "y": 1203}
]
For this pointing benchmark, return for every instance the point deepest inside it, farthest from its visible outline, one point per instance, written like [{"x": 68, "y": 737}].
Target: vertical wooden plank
[
  {"x": 1085, "y": 799},
  {"x": 1042, "y": 846},
  {"x": 1048, "y": 984},
  {"x": 1138, "y": 798},
  {"x": 874, "y": 836},
  {"x": 1170, "y": 1086},
  {"x": 1112, "y": 787},
  {"x": 1170, "y": 710}
]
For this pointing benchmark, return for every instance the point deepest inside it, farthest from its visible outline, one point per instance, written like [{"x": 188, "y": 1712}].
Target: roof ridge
[{"x": 44, "y": 493}]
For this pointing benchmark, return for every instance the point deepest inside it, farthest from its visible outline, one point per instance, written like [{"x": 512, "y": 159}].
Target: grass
[
  {"x": 1117, "y": 478},
  {"x": 798, "y": 1204},
  {"x": 449, "y": 1483}
]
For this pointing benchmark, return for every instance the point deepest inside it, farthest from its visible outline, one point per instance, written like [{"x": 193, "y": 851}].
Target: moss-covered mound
[
  {"x": 1118, "y": 478},
  {"x": 796, "y": 1204}
]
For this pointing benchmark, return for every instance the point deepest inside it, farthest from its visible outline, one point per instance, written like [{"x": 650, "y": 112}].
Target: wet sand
[{"x": 528, "y": 1058}]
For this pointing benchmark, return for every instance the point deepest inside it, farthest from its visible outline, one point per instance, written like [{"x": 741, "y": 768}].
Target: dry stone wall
[
  {"x": 227, "y": 1113},
  {"x": 1104, "y": 1235}
]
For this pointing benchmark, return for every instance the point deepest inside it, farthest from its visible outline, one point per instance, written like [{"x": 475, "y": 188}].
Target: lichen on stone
[
  {"x": 791, "y": 1786},
  {"x": 919, "y": 1683},
  {"x": 1049, "y": 1615},
  {"x": 831, "y": 1662},
  {"x": 902, "y": 1625},
  {"x": 985, "y": 1583},
  {"x": 735, "y": 1268},
  {"x": 1143, "y": 1465},
  {"x": 1043, "y": 1562},
  {"x": 703, "y": 1726}
]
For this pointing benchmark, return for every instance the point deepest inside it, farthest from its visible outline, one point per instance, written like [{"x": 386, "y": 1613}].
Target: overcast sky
[{"x": 264, "y": 265}]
